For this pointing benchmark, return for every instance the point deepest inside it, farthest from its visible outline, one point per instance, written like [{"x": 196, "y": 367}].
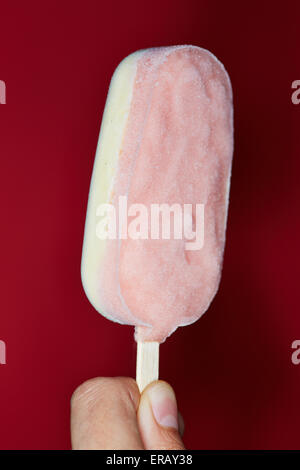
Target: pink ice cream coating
[{"x": 177, "y": 148}]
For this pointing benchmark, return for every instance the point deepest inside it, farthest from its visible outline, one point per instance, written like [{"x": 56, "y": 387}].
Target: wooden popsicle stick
[{"x": 147, "y": 360}]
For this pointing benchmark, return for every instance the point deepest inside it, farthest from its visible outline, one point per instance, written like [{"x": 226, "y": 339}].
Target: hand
[{"x": 110, "y": 413}]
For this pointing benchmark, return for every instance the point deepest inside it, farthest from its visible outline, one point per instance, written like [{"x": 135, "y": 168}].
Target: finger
[
  {"x": 158, "y": 418},
  {"x": 103, "y": 415},
  {"x": 181, "y": 424}
]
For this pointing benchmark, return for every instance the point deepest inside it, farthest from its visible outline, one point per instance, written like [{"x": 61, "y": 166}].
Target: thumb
[
  {"x": 103, "y": 415},
  {"x": 158, "y": 418}
]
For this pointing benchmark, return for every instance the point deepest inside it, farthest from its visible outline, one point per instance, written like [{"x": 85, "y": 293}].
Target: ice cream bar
[{"x": 166, "y": 139}]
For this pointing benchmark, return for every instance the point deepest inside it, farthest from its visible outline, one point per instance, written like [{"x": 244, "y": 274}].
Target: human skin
[{"x": 110, "y": 413}]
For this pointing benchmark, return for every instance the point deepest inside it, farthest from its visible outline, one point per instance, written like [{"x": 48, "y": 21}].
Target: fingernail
[{"x": 163, "y": 403}]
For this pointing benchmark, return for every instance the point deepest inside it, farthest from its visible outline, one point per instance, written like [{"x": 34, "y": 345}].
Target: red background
[{"x": 232, "y": 371}]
